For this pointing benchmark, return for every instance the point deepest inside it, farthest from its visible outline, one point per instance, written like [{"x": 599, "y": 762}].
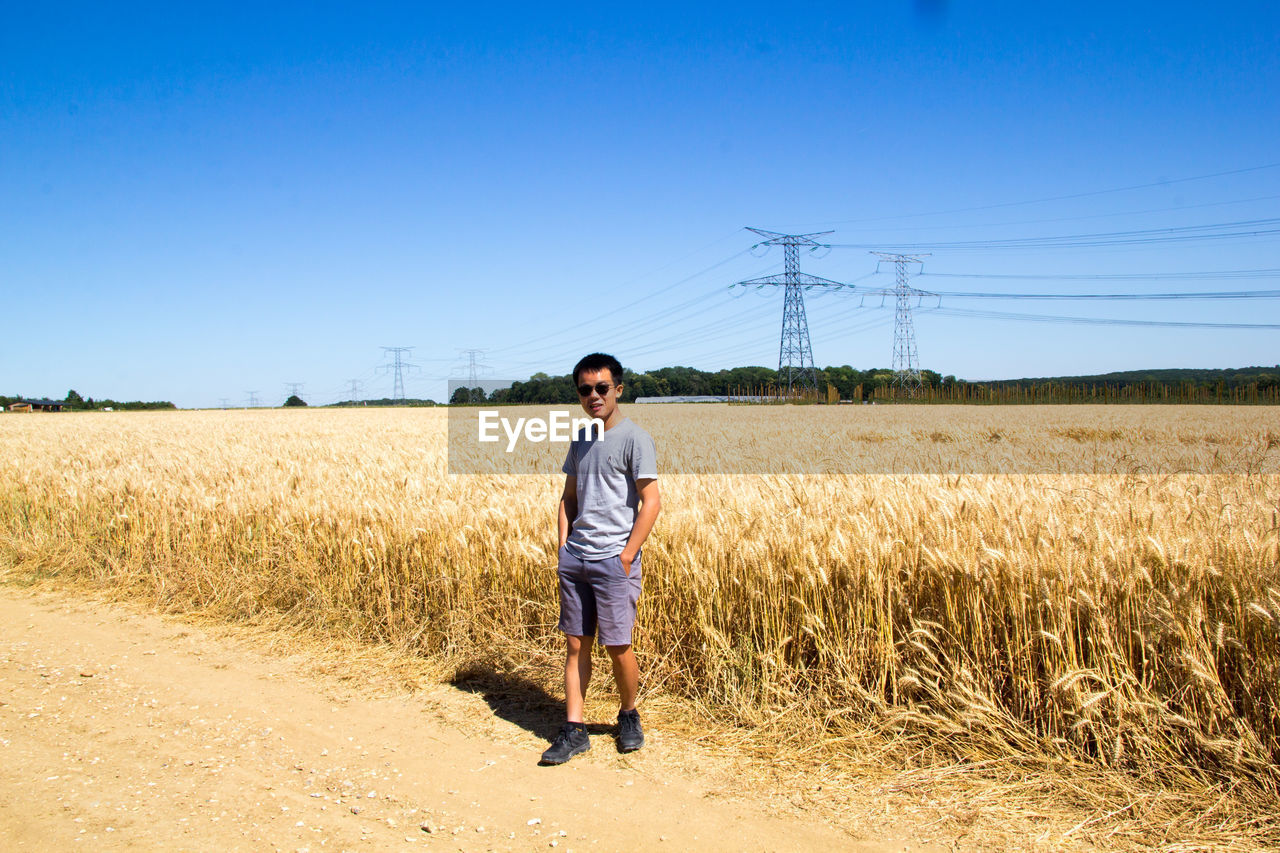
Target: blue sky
[{"x": 200, "y": 201}]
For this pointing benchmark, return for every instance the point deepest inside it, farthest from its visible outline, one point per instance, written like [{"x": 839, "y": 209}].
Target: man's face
[{"x": 598, "y": 403}]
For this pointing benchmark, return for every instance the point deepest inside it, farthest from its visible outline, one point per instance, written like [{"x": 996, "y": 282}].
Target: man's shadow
[{"x": 519, "y": 700}]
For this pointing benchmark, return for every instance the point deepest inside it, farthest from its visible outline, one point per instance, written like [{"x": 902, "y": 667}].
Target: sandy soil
[{"x": 121, "y": 730}]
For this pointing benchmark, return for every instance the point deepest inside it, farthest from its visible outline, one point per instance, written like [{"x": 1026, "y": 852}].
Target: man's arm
[
  {"x": 568, "y": 508},
  {"x": 650, "y": 506}
]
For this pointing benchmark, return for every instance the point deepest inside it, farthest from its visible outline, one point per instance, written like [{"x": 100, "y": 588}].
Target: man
[{"x": 608, "y": 507}]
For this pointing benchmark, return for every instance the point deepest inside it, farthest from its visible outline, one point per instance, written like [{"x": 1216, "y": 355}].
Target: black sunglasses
[{"x": 601, "y": 388}]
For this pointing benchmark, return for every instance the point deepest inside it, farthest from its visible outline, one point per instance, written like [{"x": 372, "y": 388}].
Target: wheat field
[{"x": 1123, "y": 613}]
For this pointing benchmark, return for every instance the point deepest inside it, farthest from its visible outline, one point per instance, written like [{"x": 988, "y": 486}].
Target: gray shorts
[{"x": 598, "y": 593}]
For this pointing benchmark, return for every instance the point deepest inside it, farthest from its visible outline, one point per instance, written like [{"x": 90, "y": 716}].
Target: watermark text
[{"x": 556, "y": 427}]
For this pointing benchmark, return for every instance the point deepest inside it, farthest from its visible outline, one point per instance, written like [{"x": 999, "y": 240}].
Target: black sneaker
[
  {"x": 571, "y": 740},
  {"x": 630, "y": 735}
]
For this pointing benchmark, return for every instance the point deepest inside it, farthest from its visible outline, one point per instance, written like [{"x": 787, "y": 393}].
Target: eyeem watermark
[{"x": 491, "y": 426}]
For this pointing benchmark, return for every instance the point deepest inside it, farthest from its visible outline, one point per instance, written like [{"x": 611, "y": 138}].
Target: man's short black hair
[{"x": 599, "y": 361}]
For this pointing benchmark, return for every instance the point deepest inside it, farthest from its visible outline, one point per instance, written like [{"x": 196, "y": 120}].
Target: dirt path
[{"x": 126, "y": 731}]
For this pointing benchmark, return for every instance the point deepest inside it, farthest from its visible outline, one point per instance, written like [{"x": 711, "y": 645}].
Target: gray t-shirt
[{"x": 606, "y": 471}]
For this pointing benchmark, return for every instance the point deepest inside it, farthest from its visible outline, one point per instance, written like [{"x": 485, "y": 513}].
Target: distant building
[
  {"x": 709, "y": 398},
  {"x": 36, "y": 406}
]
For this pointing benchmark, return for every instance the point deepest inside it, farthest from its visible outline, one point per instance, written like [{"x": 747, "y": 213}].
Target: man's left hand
[{"x": 627, "y": 560}]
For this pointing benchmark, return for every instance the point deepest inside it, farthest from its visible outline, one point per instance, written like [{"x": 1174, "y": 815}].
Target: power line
[
  {"x": 576, "y": 329},
  {"x": 665, "y": 320},
  {"x": 1099, "y": 321},
  {"x": 750, "y": 350},
  {"x": 628, "y": 330},
  {"x": 716, "y": 330},
  {"x": 1080, "y": 217},
  {"x": 1206, "y": 275},
  {"x": 1152, "y": 236},
  {"x": 685, "y": 323},
  {"x": 1070, "y": 196},
  {"x": 1213, "y": 294}
]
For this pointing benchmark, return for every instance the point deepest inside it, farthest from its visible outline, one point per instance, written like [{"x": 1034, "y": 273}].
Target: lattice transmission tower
[
  {"x": 795, "y": 356},
  {"x": 474, "y": 367},
  {"x": 398, "y": 366},
  {"x": 906, "y": 364}
]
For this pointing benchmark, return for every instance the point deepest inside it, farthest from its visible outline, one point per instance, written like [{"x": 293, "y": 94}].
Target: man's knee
[
  {"x": 618, "y": 651},
  {"x": 574, "y": 645}
]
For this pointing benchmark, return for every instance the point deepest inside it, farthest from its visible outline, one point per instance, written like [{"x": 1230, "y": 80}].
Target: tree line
[
  {"x": 75, "y": 402},
  {"x": 846, "y": 383}
]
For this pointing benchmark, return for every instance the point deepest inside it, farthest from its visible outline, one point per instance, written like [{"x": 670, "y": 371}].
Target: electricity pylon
[
  {"x": 399, "y": 365},
  {"x": 906, "y": 366},
  {"x": 795, "y": 356},
  {"x": 474, "y": 367}
]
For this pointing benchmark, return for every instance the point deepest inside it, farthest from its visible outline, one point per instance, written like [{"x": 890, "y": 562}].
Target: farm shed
[{"x": 36, "y": 406}]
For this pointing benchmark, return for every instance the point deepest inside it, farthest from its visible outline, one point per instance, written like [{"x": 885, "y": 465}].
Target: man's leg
[
  {"x": 577, "y": 675},
  {"x": 572, "y": 738},
  {"x": 626, "y": 674},
  {"x": 578, "y": 622},
  {"x": 617, "y": 596}
]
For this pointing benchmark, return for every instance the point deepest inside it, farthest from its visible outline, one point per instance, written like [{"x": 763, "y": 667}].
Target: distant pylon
[
  {"x": 399, "y": 365},
  {"x": 355, "y": 390},
  {"x": 225, "y": 403},
  {"x": 474, "y": 367},
  {"x": 906, "y": 366},
  {"x": 293, "y": 389},
  {"x": 795, "y": 357},
  {"x": 253, "y": 398}
]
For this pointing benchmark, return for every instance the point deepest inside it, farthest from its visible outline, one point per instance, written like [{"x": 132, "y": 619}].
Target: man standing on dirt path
[{"x": 608, "y": 507}]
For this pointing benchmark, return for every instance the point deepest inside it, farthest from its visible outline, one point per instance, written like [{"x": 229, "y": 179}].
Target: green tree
[
  {"x": 644, "y": 385},
  {"x": 295, "y": 400}
]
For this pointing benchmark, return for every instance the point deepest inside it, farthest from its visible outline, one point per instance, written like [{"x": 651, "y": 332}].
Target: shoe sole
[{"x": 622, "y": 748}]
